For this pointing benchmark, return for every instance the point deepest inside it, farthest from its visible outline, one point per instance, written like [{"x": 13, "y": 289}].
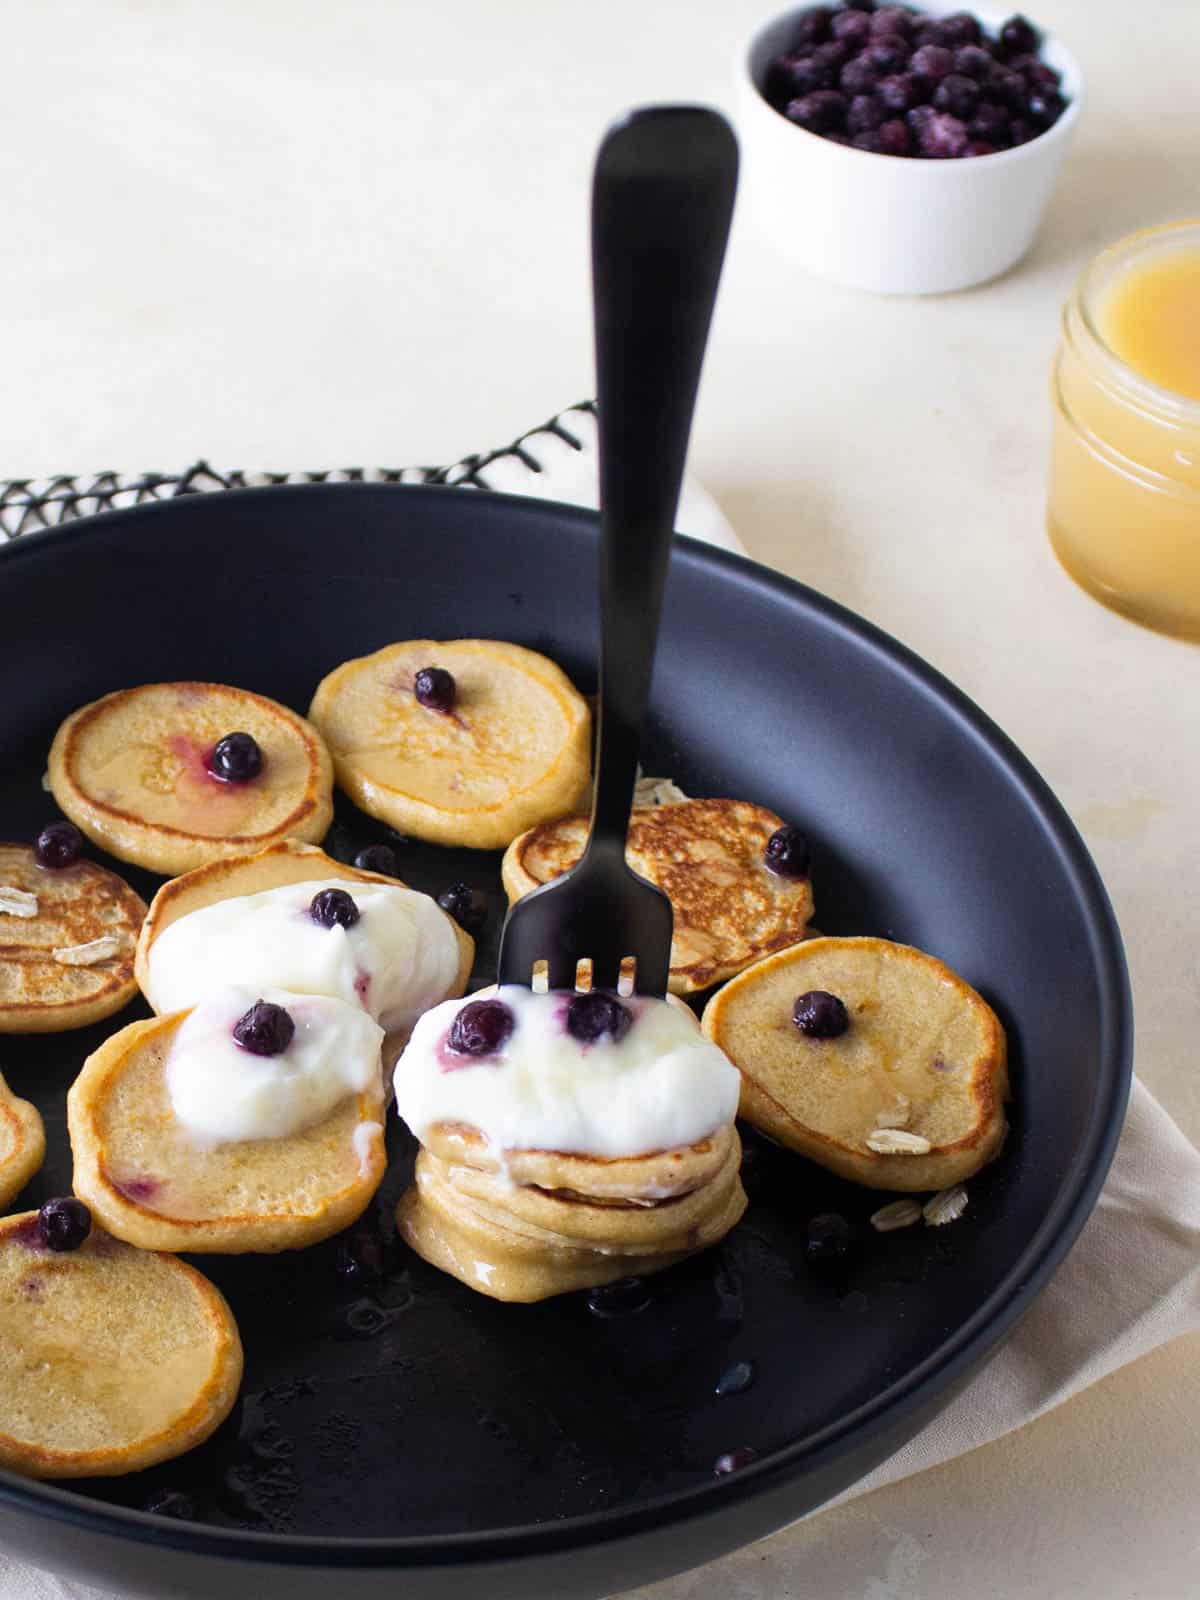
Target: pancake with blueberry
[
  {"x": 291, "y": 917},
  {"x": 461, "y": 742},
  {"x": 253, "y": 1122},
  {"x": 68, "y": 928},
  {"x": 736, "y": 876},
  {"x": 111, "y": 1359},
  {"x": 871, "y": 1058},
  {"x": 22, "y": 1143},
  {"x": 568, "y": 1140},
  {"x": 171, "y": 775}
]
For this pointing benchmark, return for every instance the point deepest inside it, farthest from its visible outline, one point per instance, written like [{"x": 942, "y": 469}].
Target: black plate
[{"x": 411, "y": 1427}]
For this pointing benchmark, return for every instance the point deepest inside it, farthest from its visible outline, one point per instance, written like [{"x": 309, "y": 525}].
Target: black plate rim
[{"x": 966, "y": 1348}]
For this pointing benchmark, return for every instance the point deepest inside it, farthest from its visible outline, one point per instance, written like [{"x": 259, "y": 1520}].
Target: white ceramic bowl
[{"x": 894, "y": 224}]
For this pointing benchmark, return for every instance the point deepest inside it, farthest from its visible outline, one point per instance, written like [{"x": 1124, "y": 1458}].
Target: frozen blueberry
[
  {"x": 894, "y": 138},
  {"x": 820, "y": 1015},
  {"x": 481, "y": 1028},
  {"x": 734, "y": 1460},
  {"x": 812, "y": 26},
  {"x": 900, "y": 92},
  {"x": 972, "y": 62},
  {"x": 893, "y": 20},
  {"x": 58, "y": 845},
  {"x": 1006, "y": 86},
  {"x": 858, "y": 76},
  {"x": 959, "y": 28},
  {"x": 1020, "y": 131},
  {"x": 823, "y": 111},
  {"x": 868, "y": 140},
  {"x": 834, "y": 54},
  {"x": 990, "y": 123},
  {"x": 958, "y": 95},
  {"x": 787, "y": 852},
  {"x": 435, "y": 688},
  {"x": 886, "y": 55},
  {"x": 932, "y": 61},
  {"x": 264, "y": 1030},
  {"x": 236, "y": 758},
  {"x": 943, "y": 138},
  {"x": 1019, "y": 36},
  {"x": 980, "y": 147},
  {"x": 1040, "y": 76},
  {"x": 790, "y": 77},
  {"x": 866, "y": 113},
  {"x": 333, "y": 908},
  {"x": 830, "y": 1239},
  {"x": 64, "y": 1223},
  {"x": 378, "y": 858},
  {"x": 1045, "y": 106},
  {"x": 467, "y": 906},
  {"x": 918, "y": 119},
  {"x": 851, "y": 26},
  {"x": 596, "y": 1016}
]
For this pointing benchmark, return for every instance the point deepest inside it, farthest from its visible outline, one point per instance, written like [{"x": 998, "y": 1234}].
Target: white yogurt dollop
[
  {"x": 663, "y": 1085},
  {"x": 397, "y": 960},
  {"x": 221, "y": 1092}
]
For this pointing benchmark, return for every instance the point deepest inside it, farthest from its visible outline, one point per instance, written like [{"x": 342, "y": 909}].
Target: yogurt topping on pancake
[
  {"x": 663, "y": 1085},
  {"x": 221, "y": 1092},
  {"x": 395, "y": 961}
]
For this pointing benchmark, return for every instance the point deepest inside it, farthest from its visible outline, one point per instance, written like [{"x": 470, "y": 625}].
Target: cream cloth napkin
[{"x": 1132, "y": 1280}]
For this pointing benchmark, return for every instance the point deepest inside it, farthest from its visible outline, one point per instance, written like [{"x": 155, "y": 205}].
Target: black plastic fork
[{"x": 662, "y": 199}]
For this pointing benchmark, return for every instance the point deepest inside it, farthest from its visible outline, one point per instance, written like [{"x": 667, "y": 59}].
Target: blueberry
[
  {"x": 958, "y": 95},
  {"x": 891, "y": 20},
  {"x": 787, "y": 853},
  {"x": 1038, "y": 75},
  {"x": 866, "y": 113},
  {"x": 236, "y": 758},
  {"x": 735, "y": 1379},
  {"x": 1019, "y": 36},
  {"x": 624, "y": 1298},
  {"x": 851, "y": 26},
  {"x": 858, "y": 76},
  {"x": 991, "y": 123},
  {"x": 1020, "y": 131},
  {"x": 972, "y": 62},
  {"x": 918, "y": 119},
  {"x": 173, "y": 1503},
  {"x": 333, "y": 908},
  {"x": 596, "y": 1016},
  {"x": 822, "y": 111},
  {"x": 1045, "y": 106},
  {"x": 467, "y": 906},
  {"x": 835, "y": 54},
  {"x": 894, "y": 138},
  {"x": 379, "y": 858},
  {"x": 932, "y": 61},
  {"x": 481, "y": 1028},
  {"x": 360, "y": 1259},
  {"x": 830, "y": 1239},
  {"x": 58, "y": 845},
  {"x": 980, "y": 147},
  {"x": 886, "y": 55},
  {"x": 734, "y": 1460},
  {"x": 790, "y": 77},
  {"x": 64, "y": 1223},
  {"x": 1006, "y": 86},
  {"x": 959, "y": 28},
  {"x": 944, "y": 138},
  {"x": 820, "y": 1015},
  {"x": 812, "y": 26},
  {"x": 900, "y": 92},
  {"x": 868, "y": 140},
  {"x": 435, "y": 688},
  {"x": 264, "y": 1030}
]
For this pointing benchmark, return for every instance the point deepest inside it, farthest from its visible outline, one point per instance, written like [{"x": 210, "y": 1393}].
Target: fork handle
[{"x": 662, "y": 200}]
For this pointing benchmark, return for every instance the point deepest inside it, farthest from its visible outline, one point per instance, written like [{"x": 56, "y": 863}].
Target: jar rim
[{"x": 1151, "y": 395}]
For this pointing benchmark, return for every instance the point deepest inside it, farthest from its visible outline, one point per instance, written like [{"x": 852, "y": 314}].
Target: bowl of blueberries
[{"x": 904, "y": 150}]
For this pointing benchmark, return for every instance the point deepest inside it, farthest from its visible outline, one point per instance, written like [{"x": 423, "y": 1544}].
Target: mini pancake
[
  {"x": 22, "y": 1143},
  {"x": 76, "y": 905},
  {"x": 922, "y": 1065},
  {"x": 130, "y": 771},
  {"x": 153, "y": 1186},
  {"x": 514, "y": 750},
  {"x": 707, "y": 856},
  {"x": 498, "y": 1255},
  {"x": 111, "y": 1359},
  {"x": 286, "y": 861},
  {"x": 657, "y": 1175}
]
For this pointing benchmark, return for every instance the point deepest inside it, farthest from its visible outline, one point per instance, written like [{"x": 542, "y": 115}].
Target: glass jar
[{"x": 1124, "y": 502}]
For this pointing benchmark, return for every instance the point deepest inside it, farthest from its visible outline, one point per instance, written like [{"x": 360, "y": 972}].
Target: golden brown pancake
[
  {"x": 514, "y": 750},
  {"x": 910, "y": 1097},
  {"x": 707, "y": 856},
  {"x": 111, "y": 1359},
  {"x": 22, "y": 1143},
  {"x": 153, "y": 1186},
  {"x": 130, "y": 771},
  {"x": 75, "y": 906}
]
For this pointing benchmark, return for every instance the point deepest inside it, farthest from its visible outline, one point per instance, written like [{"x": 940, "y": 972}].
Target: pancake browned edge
[
  {"x": 910, "y": 1097},
  {"x": 76, "y": 905},
  {"x": 707, "y": 856},
  {"x": 288, "y": 861},
  {"x": 22, "y": 1143},
  {"x": 151, "y": 1185},
  {"x": 111, "y": 1358}
]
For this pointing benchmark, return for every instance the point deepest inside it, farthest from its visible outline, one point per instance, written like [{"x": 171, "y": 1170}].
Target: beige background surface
[{"x": 302, "y": 234}]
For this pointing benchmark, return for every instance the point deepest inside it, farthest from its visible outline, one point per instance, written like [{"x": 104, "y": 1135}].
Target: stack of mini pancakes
[{"x": 531, "y": 1223}]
